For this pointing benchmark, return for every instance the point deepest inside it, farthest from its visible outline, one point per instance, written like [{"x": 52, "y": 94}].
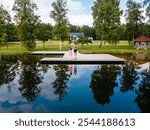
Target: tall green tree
[
  {"x": 134, "y": 18},
  {"x": 43, "y": 32},
  {"x": 5, "y": 20},
  {"x": 106, "y": 15},
  {"x": 148, "y": 13},
  {"x": 12, "y": 33},
  {"x": 26, "y": 20},
  {"x": 59, "y": 14}
]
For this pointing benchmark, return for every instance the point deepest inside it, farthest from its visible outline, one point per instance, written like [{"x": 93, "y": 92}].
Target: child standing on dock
[
  {"x": 74, "y": 49},
  {"x": 70, "y": 53}
]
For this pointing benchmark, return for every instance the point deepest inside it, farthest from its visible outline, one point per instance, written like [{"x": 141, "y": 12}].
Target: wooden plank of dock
[
  {"x": 84, "y": 59},
  {"x": 48, "y": 53}
]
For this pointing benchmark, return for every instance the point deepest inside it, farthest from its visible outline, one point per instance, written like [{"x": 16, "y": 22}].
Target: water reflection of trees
[
  {"x": 129, "y": 77},
  {"x": 8, "y": 69},
  {"x": 60, "y": 84},
  {"x": 143, "y": 92},
  {"x": 30, "y": 77},
  {"x": 103, "y": 83}
]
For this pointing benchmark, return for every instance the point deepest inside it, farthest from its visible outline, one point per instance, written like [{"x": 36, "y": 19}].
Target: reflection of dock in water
[{"x": 80, "y": 59}]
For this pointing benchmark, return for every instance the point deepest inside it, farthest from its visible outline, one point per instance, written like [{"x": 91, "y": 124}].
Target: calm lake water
[{"x": 28, "y": 86}]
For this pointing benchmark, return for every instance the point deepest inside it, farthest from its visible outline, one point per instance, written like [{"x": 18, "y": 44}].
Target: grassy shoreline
[{"x": 122, "y": 48}]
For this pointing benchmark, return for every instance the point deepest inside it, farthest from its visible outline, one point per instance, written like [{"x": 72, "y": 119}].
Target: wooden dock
[
  {"x": 80, "y": 59},
  {"x": 48, "y": 53}
]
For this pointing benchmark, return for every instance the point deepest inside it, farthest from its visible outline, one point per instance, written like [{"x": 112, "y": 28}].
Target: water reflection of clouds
[
  {"x": 13, "y": 96},
  {"x": 47, "y": 90},
  {"x": 18, "y": 107},
  {"x": 14, "y": 99}
]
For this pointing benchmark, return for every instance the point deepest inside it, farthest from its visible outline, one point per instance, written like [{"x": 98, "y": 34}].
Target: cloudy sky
[{"x": 79, "y": 10}]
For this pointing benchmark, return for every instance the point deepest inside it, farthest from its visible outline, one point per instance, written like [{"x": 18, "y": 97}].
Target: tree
[
  {"x": 26, "y": 20},
  {"x": 59, "y": 14},
  {"x": 106, "y": 16},
  {"x": 12, "y": 33},
  {"x": 83, "y": 40},
  {"x": 5, "y": 20},
  {"x": 148, "y": 13},
  {"x": 74, "y": 28},
  {"x": 134, "y": 18},
  {"x": 43, "y": 33},
  {"x": 88, "y": 31}
]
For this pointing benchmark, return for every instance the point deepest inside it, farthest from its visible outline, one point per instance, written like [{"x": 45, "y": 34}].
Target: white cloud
[
  {"x": 75, "y": 7},
  {"x": 123, "y": 19},
  {"x": 76, "y": 13},
  {"x": 81, "y": 19}
]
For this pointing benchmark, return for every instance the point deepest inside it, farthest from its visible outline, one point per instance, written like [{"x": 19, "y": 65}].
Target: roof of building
[
  {"x": 77, "y": 33},
  {"x": 142, "y": 39}
]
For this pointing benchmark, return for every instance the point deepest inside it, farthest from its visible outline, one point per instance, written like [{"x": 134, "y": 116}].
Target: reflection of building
[
  {"x": 142, "y": 43},
  {"x": 76, "y": 35}
]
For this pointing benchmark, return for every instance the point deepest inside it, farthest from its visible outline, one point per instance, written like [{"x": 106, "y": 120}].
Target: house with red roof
[{"x": 142, "y": 43}]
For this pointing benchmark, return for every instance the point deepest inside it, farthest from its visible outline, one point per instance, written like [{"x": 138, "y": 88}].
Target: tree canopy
[
  {"x": 59, "y": 15},
  {"x": 134, "y": 17},
  {"x": 5, "y": 20},
  {"x": 106, "y": 16},
  {"x": 26, "y": 20}
]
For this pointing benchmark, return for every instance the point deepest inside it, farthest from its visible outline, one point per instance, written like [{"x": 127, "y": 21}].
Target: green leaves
[
  {"x": 26, "y": 20},
  {"x": 106, "y": 16},
  {"x": 4, "y": 20},
  {"x": 148, "y": 13},
  {"x": 134, "y": 17},
  {"x": 59, "y": 14}
]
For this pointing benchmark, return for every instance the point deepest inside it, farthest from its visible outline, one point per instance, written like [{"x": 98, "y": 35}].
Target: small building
[
  {"x": 75, "y": 35},
  {"x": 142, "y": 43}
]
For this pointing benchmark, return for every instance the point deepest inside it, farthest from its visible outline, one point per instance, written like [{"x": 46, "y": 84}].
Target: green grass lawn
[{"x": 122, "y": 47}]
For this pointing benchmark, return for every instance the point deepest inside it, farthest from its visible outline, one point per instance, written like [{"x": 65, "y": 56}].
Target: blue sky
[{"x": 79, "y": 10}]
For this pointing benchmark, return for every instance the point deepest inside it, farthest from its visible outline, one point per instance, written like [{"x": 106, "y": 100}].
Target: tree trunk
[
  {"x": 43, "y": 45},
  {"x": 21, "y": 45},
  {"x": 100, "y": 45},
  {"x": 133, "y": 37},
  {"x": 60, "y": 44},
  {"x": 7, "y": 45}
]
